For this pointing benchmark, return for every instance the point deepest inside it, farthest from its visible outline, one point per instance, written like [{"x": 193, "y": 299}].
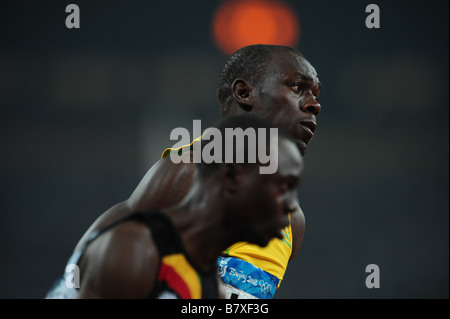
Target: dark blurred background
[{"x": 85, "y": 112}]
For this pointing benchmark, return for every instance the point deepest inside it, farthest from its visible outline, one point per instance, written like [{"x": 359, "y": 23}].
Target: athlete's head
[
  {"x": 276, "y": 83},
  {"x": 255, "y": 204}
]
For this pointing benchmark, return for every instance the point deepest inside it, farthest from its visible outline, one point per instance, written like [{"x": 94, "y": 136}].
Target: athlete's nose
[
  {"x": 290, "y": 201},
  {"x": 311, "y": 105}
]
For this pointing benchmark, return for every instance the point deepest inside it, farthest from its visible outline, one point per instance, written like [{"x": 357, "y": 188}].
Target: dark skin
[
  {"x": 123, "y": 262},
  {"x": 288, "y": 97}
]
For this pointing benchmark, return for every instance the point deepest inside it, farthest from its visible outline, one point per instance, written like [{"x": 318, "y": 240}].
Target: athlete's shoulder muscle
[
  {"x": 165, "y": 184},
  {"x": 121, "y": 263}
]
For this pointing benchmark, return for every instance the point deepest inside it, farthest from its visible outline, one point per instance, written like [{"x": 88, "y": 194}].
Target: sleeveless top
[{"x": 177, "y": 278}]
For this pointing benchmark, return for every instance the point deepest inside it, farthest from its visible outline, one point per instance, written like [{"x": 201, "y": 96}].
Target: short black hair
[
  {"x": 249, "y": 63},
  {"x": 243, "y": 121}
]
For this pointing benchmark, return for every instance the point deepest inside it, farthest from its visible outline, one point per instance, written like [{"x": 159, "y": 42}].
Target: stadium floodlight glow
[{"x": 238, "y": 23}]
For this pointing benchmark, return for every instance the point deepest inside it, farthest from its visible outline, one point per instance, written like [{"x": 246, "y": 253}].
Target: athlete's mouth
[{"x": 309, "y": 126}]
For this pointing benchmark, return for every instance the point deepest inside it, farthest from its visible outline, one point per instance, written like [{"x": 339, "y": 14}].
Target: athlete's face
[
  {"x": 288, "y": 96},
  {"x": 266, "y": 199}
]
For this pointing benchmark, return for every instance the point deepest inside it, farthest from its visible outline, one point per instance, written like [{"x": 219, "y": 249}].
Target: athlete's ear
[
  {"x": 243, "y": 94},
  {"x": 233, "y": 177}
]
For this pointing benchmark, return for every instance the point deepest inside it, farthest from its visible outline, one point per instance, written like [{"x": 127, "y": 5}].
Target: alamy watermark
[
  {"x": 73, "y": 19},
  {"x": 234, "y": 142},
  {"x": 373, "y": 280},
  {"x": 72, "y": 278},
  {"x": 373, "y": 19}
]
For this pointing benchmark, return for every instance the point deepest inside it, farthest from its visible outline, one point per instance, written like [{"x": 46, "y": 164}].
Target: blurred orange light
[{"x": 238, "y": 23}]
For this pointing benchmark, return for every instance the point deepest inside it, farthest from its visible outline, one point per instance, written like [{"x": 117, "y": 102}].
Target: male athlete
[
  {"x": 275, "y": 83},
  {"x": 278, "y": 84},
  {"x": 173, "y": 252}
]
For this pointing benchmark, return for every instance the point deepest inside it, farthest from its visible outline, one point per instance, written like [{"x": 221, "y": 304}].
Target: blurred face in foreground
[{"x": 258, "y": 210}]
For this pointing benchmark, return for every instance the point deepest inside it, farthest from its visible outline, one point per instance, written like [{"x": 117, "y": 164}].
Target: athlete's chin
[
  {"x": 261, "y": 240},
  {"x": 301, "y": 145},
  {"x": 279, "y": 234},
  {"x": 264, "y": 240},
  {"x": 264, "y": 243}
]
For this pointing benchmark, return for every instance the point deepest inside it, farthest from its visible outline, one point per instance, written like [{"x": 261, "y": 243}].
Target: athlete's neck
[{"x": 198, "y": 220}]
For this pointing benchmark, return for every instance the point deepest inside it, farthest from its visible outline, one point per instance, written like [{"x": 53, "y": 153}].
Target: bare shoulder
[
  {"x": 164, "y": 184},
  {"x": 121, "y": 263},
  {"x": 298, "y": 230}
]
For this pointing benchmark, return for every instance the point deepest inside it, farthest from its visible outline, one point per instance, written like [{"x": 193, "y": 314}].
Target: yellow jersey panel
[{"x": 273, "y": 258}]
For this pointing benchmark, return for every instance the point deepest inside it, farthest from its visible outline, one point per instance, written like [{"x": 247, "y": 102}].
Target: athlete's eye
[
  {"x": 293, "y": 183},
  {"x": 289, "y": 183},
  {"x": 296, "y": 87}
]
